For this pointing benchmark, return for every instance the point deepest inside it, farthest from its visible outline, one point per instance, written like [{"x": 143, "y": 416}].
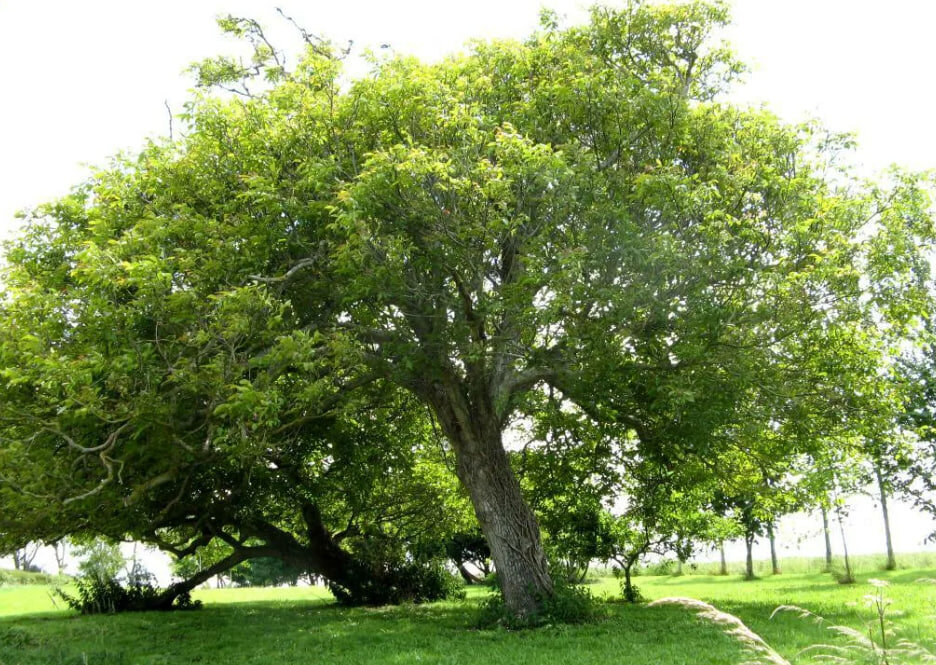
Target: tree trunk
[
  {"x": 166, "y": 599},
  {"x": 466, "y": 574},
  {"x": 882, "y": 490},
  {"x": 749, "y": 559},
  {"x": 23, "y": 558},
  {"x": 774, "y": 561},
  {"x": 505, "y": 518},
  {"x": 849, "y": 578},
  {"x": 723, "y": 566},
  {"x": 828, "y": 539},
  {"x": 352, "y": 581},
  {"x": 60, "y": 549},
  {"x": 630, "y": 595}
]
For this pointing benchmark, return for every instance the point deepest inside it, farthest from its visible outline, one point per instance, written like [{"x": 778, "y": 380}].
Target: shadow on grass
[
  {"x": 293, "y": 633},
  {"x": 907, "y": 576}
]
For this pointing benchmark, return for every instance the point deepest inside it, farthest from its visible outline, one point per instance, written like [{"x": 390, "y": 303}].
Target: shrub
[
  {"x": 108, "y": 596},
  {"x": 416, "y": 582},
  {"x": 569, "y": 604},
  {"x": 842, "y": 575},
  {"x": 878, "y": 644}
]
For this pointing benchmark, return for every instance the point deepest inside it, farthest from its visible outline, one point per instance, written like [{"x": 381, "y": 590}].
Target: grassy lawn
[{"x": 300, "y": 625}]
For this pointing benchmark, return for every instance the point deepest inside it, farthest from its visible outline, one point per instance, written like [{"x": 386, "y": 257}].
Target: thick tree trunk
[
  {"x": 508, "y": 524},
  {"x": 723, "y": 563},
  {"x": 505, "y": 518},
  {"x": 882, "y": 490},
  {"x": 749, "y": 558},
  {"x": 352, "y": 581},
  {"x": 774, "y": 561},
  {"x": 173, "y": 591},
  {"x": 828, "y": 538}
]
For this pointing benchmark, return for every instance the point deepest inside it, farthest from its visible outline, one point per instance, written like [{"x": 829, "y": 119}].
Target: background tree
[
  {"x": 100, "y": 560},
  {"x": 23, "y": 557},
  {"x": 60, "y": 551}
]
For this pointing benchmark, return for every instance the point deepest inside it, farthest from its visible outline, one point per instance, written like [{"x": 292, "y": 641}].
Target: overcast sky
[{"x": 82, "y": 80}]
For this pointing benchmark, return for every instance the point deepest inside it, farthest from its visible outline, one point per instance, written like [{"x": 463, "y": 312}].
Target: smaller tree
[
  {"x": 100, "y": 560},
  {"x": 23, "y": 557},
  {"x": 60, "y": 550}
]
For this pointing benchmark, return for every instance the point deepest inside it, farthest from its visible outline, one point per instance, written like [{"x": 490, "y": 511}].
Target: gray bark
[
  {"x": 849, "y": 578},
  {"x": 60, "y": 549},
  {"x": 505, "y": 518},
  {"x": 882, "y": 490},
  {"x": 774, "y": 560},
  {"x": 828, "y": 538},
  {"x": 749, "y": 558}
]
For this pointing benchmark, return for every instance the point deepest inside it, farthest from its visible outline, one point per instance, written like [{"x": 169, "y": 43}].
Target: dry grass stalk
[{"x": 732, "y": 626}]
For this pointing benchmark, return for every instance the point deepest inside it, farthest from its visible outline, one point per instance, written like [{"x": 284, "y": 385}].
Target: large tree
[{"x": 576, "y": 211}]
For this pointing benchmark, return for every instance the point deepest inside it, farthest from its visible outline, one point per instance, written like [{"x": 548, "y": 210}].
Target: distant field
[
  {"x": 301, "y": 625},
  {"x": 801, "y": 565}
]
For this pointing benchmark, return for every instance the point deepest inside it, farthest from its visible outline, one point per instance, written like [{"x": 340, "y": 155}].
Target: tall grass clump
[{"x": 877, "y": 644}]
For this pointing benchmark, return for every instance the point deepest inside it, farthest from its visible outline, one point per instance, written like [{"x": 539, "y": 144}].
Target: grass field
[{"x": 300, "y": 625}]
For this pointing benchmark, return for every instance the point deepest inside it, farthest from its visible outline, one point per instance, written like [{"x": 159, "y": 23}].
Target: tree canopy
[{"x": 279, "y": 327}]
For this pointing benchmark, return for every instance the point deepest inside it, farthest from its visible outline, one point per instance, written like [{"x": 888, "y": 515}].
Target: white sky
[{"x": 82, "y": 80}]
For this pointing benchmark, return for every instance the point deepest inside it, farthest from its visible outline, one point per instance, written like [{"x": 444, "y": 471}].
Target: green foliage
[
  {"x": 100, "y": 560},
  {"x": 410, "y": 581},
  {"x": 568, "y": 604},
  {"x": 95, "y": 595},
  {"x": 265, "y": 571},
  {"x": 842, "y": 575}
]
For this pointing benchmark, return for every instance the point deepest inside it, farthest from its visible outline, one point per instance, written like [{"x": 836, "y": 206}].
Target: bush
[
  {"x": 108, "y": 596},
  {"x": 569, "y": 604},
  {"x": 661, "y": 567},
  {"x": 415, "y": 582}
]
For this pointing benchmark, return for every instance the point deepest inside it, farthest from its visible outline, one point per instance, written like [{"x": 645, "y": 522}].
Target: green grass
[
  {"x": 15, "y": 577},
  {"x": 300, "y": 625}
]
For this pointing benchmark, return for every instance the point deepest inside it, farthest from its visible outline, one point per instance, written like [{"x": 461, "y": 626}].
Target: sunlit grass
[{"x": 301, "y": 625}]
